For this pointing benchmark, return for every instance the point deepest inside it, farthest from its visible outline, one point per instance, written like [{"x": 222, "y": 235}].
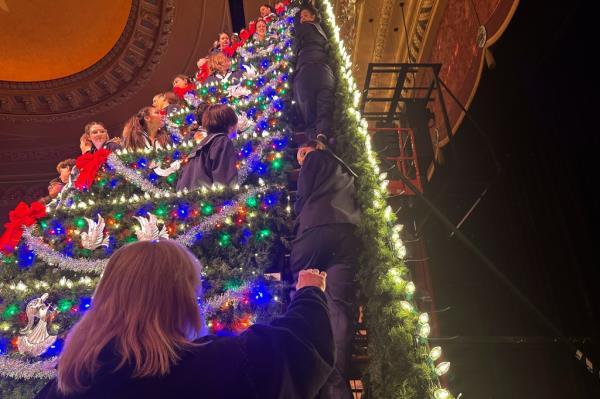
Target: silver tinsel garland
[
  {"x": 189, "y": 238},
  {"x": 54, "y": 258},
  {"x": 96, "y": 266},
  {"x": 213, "y": 304},
  {"x": 133, "y": 177},
  {"x": 23, "y": 370}
]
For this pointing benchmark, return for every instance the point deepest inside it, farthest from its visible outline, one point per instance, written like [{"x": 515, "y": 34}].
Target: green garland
[{"x": 399, "y": 362}]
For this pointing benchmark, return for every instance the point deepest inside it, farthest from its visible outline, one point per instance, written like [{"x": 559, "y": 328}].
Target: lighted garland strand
[
  {"x": 397, "y": 367},
  {"x": 189, "y": 238},
  {"x": 96, "y": 266}
]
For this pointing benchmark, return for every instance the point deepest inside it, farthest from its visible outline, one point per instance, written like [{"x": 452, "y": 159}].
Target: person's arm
[
  {"x": 292, "y": 357},
  {"x": 306, "y": 179},
  {"x": 223, "y": 157}
]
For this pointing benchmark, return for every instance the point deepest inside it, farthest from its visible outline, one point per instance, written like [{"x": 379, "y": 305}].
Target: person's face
[
  {"x": 264, "y": 11},
  {"x": 179, "y": 82},
  {"x": 64, "y": 174},
  {"x": 98, "y": 134},
  {"x": 153, "y": 119},
  {"x": 261, "y": 28},
  {"x": 302, "y": 152},
  {"x": 54, "y": 189},
  {"x": 306, "y": 16},
  {"x": 223, "y": 40}
]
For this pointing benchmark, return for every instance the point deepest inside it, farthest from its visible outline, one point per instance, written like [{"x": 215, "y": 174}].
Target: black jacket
[
  {"x": 310, "y": 44},
  {"x": 212, "y": 161},
  {"x": 326, "y": 192},
  {"x": 289, "y": 359}
]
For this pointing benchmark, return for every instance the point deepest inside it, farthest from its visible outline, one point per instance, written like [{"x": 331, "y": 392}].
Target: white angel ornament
[
  {"x": 149, "y": 229},
  {"x": 35, "y": 340},
  {"x": 94, "y": 237}
]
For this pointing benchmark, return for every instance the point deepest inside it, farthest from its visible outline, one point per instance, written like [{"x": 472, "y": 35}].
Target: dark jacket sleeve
[
  {"x": 223, "y": 159},
  {"x": 292, "y": 357},
  {"x": 50, "y": 391},
  {"x": 307, "y": 178}
]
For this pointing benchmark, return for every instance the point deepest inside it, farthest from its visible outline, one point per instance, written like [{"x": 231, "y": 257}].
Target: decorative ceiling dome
[
  {"x": 60, "y": 65},
  {"x": 41, "y": 41}
]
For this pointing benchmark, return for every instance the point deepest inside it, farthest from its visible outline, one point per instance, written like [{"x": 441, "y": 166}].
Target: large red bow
[
  {"x": 203, "y": 73},
  {"x": 181, "y": 91},
  {"x": 88, "y": 165},
  {"x": 21, "y": 215}
]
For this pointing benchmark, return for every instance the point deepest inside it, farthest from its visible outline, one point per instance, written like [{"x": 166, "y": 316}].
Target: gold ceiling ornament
[
  {"x": 108, "y": 82},
  {"x": 383, "y": 29}
]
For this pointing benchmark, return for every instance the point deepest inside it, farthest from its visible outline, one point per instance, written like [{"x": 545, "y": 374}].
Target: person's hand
[{"x": 311, "y": 278}]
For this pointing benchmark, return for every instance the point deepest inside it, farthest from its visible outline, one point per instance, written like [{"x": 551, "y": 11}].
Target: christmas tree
[{"x": 52, "y": 256}]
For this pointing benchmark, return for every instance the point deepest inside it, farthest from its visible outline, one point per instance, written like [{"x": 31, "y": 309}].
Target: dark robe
[
  {"x": 326, "y": 192},
  {"x": 310, "y": 43},
  {"x": 327, "y": 215},
  {"x": 314, "y": 82},
  {"x": 212, "y": 161},
  {"x": 290, "y": 358}
]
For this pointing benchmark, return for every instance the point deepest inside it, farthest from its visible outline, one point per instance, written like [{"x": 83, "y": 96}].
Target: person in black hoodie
[
  {"x": 314, "y": 83},
  {"x": 327, "y": 215},
  {"x": 213, "y": 160},
  {"x": 136, "y": 341}
]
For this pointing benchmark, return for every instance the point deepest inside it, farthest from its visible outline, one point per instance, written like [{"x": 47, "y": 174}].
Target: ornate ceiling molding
[
  {"x": 347, "y": 20},
  {"x": 113, "y": 79},
  {"x": 383, "y": 30}
]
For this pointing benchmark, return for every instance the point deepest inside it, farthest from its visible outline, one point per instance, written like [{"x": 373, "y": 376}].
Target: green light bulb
[{"x": 252, "y": 202}]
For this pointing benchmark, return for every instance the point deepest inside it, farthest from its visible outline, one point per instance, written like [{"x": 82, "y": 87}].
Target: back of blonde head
[{"x": 145, "y": 306}]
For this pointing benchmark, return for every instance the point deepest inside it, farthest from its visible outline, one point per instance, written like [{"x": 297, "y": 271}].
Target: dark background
[{"x": 536, "y": 222}]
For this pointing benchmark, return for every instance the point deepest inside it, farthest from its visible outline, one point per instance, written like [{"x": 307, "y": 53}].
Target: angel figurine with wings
[{"x": 35, "y": 340}]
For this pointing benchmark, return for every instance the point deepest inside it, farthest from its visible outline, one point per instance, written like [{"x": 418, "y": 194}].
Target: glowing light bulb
[
  {"x": 442, "y": 368},
  {"x": 435, "y": 353}
]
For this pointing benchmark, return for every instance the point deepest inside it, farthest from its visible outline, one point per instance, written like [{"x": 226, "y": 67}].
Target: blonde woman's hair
[
  {"x": 218, "y": 62},
  {"x": 145, "y": 306}
]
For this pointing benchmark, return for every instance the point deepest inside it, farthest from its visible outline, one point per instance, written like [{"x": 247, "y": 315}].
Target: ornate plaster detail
[
  {"x": 110, "y": 81},
  {"x": 383, "y": 29}
]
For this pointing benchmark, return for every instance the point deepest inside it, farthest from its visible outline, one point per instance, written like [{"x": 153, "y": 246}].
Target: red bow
[
  {"x": 203, "y": 73},
  {"x": 88, "y": 165},
  {"x": 21, "y": 215},
  {"x": 244, "y": 35},
  {"x": 180, "y": 91},
  {"x": 279, "y": 8}
]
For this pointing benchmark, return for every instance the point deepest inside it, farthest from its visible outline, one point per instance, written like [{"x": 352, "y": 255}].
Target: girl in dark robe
[
  {"x": 213, "y": 160},
  {"x": 133, "y": 343}
]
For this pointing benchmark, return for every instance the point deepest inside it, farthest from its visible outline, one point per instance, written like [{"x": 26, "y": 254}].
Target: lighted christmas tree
[{"x": 121, "y": 197}]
